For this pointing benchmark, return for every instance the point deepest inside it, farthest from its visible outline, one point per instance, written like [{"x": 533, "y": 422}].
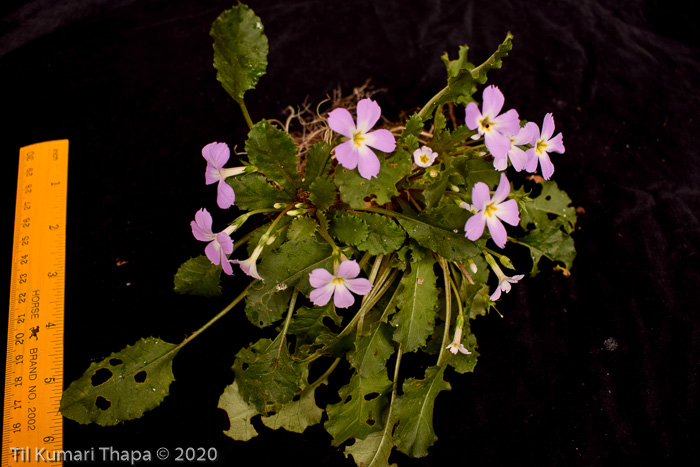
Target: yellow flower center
[
  {"x": 541, "y": 146},
  {"x": 490, "y": 209},
  {"x": 338, "y": 280},
  {"x": 357, "y": 138},
  {"x": 485, "y": 124},
  {"x": 424, "y": 158}
]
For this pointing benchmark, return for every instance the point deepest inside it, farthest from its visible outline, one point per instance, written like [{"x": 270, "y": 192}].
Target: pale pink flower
[
  {"x": 216, "y": 155},
  {"x": 544, "y": 144},
  {"x": 220, "y": 244},
  {"x": 250, "y": 266},
  {"x": 356, "y": 151},
  {"x": 326, "y": 285},
  {"x": 456, "y": 345},
  {"x": 517, "y": 156},
  {"x": 424, "y": 156},
  {"x": 491, "y": 211},
  {"x": 492, "y": 126},
  {"x": 504, "y": 284}
]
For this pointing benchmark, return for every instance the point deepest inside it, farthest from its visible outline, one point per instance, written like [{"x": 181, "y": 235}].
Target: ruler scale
[{"x": 32, "y": 425}]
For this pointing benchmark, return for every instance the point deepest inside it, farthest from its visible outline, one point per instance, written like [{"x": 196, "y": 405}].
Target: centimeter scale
[{"x": 32, "y": 425}]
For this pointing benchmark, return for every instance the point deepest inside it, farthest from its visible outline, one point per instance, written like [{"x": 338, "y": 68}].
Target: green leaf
[
  {"x": 239, "y": 414},
  {"x": 551, "y": 243},
  {"x": 253, "y": 192},
  {"x": 284, "y": 269},
  {"x": 315, "y": 158},
  {"x": 198, "y": 276},
  {"x": 300, "y": 228},
  {"x": 322, "y": 193},
  {"x": 354, "y": 189},
  {"x": 348, "y": 228},
  {"x": 442, "y": 231},
  {"x": 417, "y": 303},
  {"x": 240, "y": 50},
  {"x": 296, "y": 415},
  {"x": 551, "y": 202},
  {"x": 374, "y": 450},
  {"x": 465, "y": 363},
  {"x": 383, "y": 235},
  {"x": 266, "y": 375},
  {"x": 409, "y": 135},
  {"x": 308, "y": 323},
  {"x": 122, "y": 386},
  {"x": 476, "y": 170},
  {"x": 355, "y": 415},
  {"x": 434, "y": 187},
  {"x": 414, "y": 433},
  {"x": 455, "y": 67},
  {"x": 274, "y": 153}
]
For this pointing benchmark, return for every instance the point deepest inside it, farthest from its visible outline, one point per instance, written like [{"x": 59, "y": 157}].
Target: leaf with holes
[
  {"x": 296, "y": 415},
  {"x": 122, "y": 386},
  {"x": 552, "y": 208},
  {"x": 414, "y": 433},
  {"x": 239, "y": 414},
  {"x": 198, "y": 276},
  {"x": 362, "y": 400},
  {"x": 375, "y": 449},
  {"x": 551, "y": 243}
]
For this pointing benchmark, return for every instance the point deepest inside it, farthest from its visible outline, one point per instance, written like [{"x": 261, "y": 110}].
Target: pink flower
[
  {"x": 326, "y": 285},
  {"x": 517, "y": 156},
  {"x": 456, "y": 345},
  {"x": 216, "y": 155},
  {"x": 492, "y": 126},
  {"x": 356, "y": 152},
  {"x": 504, "y": 284},
  {"x": 250, "y": 266},
  {"x": 491, "y": 211},
  {"x": 220, "y": 244},
  {"x": 424, "y": 156},
  {"x": 544, "y": 144}
]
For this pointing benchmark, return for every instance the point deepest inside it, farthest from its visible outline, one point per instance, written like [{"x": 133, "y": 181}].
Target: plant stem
[
  {"x": 448, "y": 309},
  {"x": 372, "y": 277},
  {"x": 221, "y": 314},
  {"x": 322, "y": 378},
  {"x": 292, "y": 302},
  {"x": 246, "y": 115}
]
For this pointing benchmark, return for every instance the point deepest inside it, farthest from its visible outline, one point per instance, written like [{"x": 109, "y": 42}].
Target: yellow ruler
[{"x": 32, "y": 431}]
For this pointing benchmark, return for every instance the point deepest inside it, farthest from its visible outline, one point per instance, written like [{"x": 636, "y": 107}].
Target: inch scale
[{"x": 32, "y": 431}]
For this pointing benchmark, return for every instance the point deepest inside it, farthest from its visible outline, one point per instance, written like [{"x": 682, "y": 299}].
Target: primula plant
[{"x": 371, "y": 240}]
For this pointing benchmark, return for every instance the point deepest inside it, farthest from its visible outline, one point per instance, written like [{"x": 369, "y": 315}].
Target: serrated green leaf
[
  {"x": 281, "y": 236},
  {"x": 374, "y": 450},
  {"x": 198, "y": 276},
  {"x": 266, "y": 375},
  {"x": 307, "y": 324},
  {"x": 348, "y": 228},
  {"x": 355, "y": 416},
  {"x": 315, "y": 158},
  {"x": 476, "y": 170},
  {"x": 455, "y": 67},
  {"x": 240, "y": 50},
  {"x": 122, "y": 386},
  {"x": 239, "y": 414},
  {"x": 296, "y": 415},
  {"x": 300, "y": 228},
  {"x": 354, "y": 189},
  {"x": 551, "y": 202},
  {"x": 417, "y": 303},
  {"x": 409, "y": 135},
  {"x": 322, "y": 193},
  {"x": 442, "y": 231},
  {"x": 383, "y": 235},
  {"x": 274, "y": 153},
  {"x": 253, "y": 192},
  {"x": 414, "y": 433},
  {"x": 551, "y": 243},
  {"x": 284, "y": 269}
]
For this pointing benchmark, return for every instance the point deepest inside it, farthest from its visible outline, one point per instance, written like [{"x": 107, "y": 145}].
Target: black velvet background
[{"x": 131, "y": 85}]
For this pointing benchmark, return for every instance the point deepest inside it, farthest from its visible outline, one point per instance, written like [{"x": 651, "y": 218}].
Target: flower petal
[
  {"x": 527, "y": 134},
  {"x": 348, "y": 269},
  {"x": 493, "y": 101},
  {"x": 508, "y": 212},
  {"x": 360, "y": 286},
  {"x": 547, "y": 127},
  {"x": 216, "y": 154},
  {"x": 381, "y": 139},
  {"x": 320, "y": 278},
  {"x": 250, "y": 267},
  {"x": 342, "y": 297},
  {"x": 341, "y": 122},
  {"x": 225, "y": 242},
  {"x": 225, "y": 196},
  {"x": 497, "y": 144},
  {"x": 211, "y": 174},
  {"x": 474, "y": 228},
  {"x": 322, "y": 295},
  {"x": 464, "y": 350},
  {"x": 226, "y": 266},
  {"x": 213, "y": 252},
  {"x": 500, "y": 163},
  {"x": 201, "y": 226},
  {"x": 517, "y": 157},
  {"x": 532, "y": 160},
  {"x": 556, "y": 144},
  {"x": 508, "y": 123},
  {"x": 480, "y": 195},
  {"x": 502, "y": 191},
  {"x": 368, "y": 163},
  {"x": 347, "y": 154},
  {"x": 547, "y": 166},
  {"x": 496, "y": 295},
  {"x": 473, "y": 115},
  {"x": 497, "y": 231},
  {"x": 368, "y": 113}
]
